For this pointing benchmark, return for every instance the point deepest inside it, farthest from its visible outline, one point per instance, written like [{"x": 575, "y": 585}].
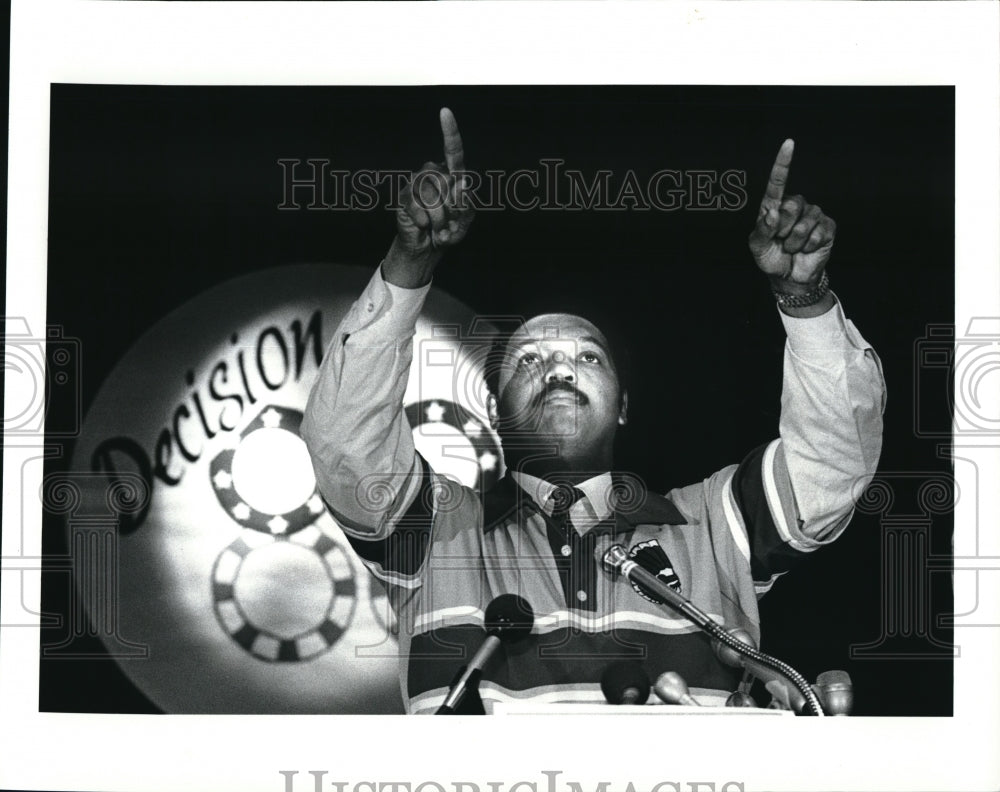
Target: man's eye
[
  {"x": 589, "y": 357},
  {"x": 528, "y": 359}
]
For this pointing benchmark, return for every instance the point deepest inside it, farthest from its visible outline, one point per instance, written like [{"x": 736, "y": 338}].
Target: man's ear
[
  {"x": 491, "y": 411},
  {"x": 623, "y": 411}
]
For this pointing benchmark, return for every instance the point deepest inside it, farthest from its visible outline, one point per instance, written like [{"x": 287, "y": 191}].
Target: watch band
[{"x": 811, "y": 297}]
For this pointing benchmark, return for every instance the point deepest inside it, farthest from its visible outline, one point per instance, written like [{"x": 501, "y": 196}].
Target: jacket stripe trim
[
  {"x": 734, "y": 520},
  {"x": 776, "y": 505},
  {"x": 465, "y": 616},
  {"x": 565, "y": 657},
  {"x": 403, "y": 552}
]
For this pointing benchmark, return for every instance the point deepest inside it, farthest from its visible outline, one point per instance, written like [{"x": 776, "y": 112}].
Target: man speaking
[{"x": 557, "y": 401}]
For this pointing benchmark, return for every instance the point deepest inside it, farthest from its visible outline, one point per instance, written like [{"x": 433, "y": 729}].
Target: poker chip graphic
[
  {"x": 284, "y": 599},
  {"x": 266, "y": 482},
  {"x": 650, "y": 556},
  {"x": 471, "y": 455},
  {"x": 237, "y": 580},
  {"x": 283, "y": 593}
]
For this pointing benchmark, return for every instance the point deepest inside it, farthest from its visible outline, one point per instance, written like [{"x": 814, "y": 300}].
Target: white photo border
[{"x": 748, "y": 43}]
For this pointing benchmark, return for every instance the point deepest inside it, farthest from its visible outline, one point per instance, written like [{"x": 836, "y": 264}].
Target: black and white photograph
[
  {"x": 545, "y": 400},
  {"x": 253, "y": 566}
]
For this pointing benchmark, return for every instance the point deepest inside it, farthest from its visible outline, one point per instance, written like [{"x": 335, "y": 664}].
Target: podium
[{"x": 538, "y": 708}]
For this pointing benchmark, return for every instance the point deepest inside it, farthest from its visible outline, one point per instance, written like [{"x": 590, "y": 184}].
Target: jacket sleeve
[
  {"x": 367, "y": 470},
  {"x": 797, "y": 493}
]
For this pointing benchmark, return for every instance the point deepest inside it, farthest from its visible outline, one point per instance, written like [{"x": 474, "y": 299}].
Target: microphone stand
[
  {"x": 466, "y": 680},
  {"x": 616, "y": 561},
  {"x": 508, "y": 619}
]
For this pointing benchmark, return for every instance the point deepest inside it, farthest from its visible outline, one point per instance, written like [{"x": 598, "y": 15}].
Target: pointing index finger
[
  {"x": 778, "y": 178},
  {"x": 454, "y": 155}
]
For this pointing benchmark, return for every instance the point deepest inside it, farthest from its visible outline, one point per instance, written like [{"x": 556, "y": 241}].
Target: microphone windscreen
[
  {"x": 836, "y": 692},
  {"x": 671, "y": 688},
  {"x": 740, "y": 699},
  {"x": 625, "y": 682},
  {"x": 510, "y": 618},
  {"x": 834, "y": 678}
]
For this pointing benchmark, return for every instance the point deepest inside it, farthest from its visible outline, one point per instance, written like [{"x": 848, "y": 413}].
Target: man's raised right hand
[{"x": 434, "y": 214}]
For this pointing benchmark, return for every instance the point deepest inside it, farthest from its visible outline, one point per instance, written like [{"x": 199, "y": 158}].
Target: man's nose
[{"x": 559, "y": 368}]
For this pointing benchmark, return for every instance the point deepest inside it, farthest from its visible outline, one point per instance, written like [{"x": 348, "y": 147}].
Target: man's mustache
[{"x": 555, "y": 386}]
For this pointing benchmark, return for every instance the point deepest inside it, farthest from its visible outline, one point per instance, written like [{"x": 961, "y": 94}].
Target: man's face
[{"x": 559, "y": 384}]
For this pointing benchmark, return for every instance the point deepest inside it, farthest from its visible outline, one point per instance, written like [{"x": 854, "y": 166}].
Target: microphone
[
  {"x": 625, "y": 682},
  {"x": 508, "y": 619},
  {"x": 780, "y": 696},
  {"x": 837, "y": 692},
  {"x": 775, "y": 682},
  {"x": 672, "y": 689},
  {"x": 740, "y": 698},
  {"x": 617, "y": 561},
  {"x": 727, "y": 654}
]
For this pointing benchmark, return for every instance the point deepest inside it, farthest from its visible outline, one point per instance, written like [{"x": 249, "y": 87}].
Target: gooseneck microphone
[
  {"x": 617, "y": 561},
  {"x": 625, "y": 682},
  {"x": 773, "y": 679},
  {"x": 508, "y": 619}
]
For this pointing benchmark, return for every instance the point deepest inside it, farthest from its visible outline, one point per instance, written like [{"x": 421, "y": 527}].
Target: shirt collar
[
  {"x": 597, "y": 490},
  {"x": 507, "y": 497}
]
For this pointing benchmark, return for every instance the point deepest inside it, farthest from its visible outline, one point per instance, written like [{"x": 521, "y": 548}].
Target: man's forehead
[{"x": 557, "y": 326}]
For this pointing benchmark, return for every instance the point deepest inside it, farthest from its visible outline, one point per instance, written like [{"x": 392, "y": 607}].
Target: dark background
[{"x": 158, "y": 193}]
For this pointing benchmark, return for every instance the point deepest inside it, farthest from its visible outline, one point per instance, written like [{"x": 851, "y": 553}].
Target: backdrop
[{"x": 181, "y": 217}]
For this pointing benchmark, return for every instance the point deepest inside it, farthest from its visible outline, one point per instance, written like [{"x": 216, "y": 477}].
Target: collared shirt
[
  {"x": 596, "y": 505},
  {"x": 443, "y": 553}
]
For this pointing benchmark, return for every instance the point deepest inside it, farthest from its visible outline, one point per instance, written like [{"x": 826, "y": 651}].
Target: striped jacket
[{"x": 443, "y": 552}]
